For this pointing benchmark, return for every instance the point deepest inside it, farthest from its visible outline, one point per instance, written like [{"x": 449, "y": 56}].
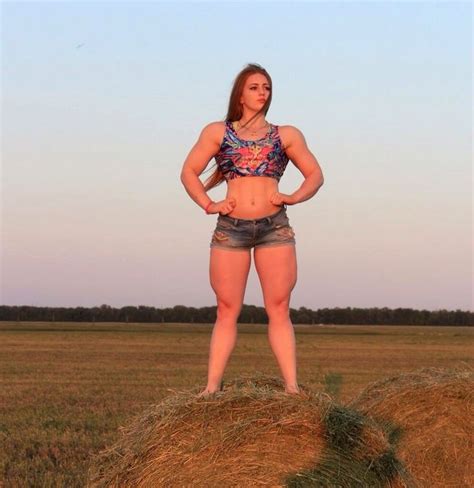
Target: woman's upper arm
[
  {"x": 204, "y": 149},
  {"x": 299, "y": 153}
]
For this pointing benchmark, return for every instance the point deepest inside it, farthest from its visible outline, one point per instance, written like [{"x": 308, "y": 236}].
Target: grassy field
[{"x": 67, "y": 387}]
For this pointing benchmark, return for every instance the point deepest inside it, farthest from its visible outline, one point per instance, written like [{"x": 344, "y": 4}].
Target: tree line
[{"x": 249, "y": 314}]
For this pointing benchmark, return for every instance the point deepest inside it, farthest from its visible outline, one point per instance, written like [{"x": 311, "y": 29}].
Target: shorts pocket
[
  {"x": 280, "y": 223},
  {"x": 225, "y": 224}
]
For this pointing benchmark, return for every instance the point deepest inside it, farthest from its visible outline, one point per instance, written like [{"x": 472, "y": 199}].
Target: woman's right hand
[{"x": 223, "y": 207}]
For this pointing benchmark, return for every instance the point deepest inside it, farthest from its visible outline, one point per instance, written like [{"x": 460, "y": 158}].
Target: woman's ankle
[
  {"x": 292, "y": 389},
  {"x": 212, "y": 387}
]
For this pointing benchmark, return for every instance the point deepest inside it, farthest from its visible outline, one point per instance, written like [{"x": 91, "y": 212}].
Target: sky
[{"x": 102, "y": 101}]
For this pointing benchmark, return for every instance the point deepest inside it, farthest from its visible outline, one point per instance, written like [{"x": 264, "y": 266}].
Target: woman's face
[{"x": 255, "y": 92}]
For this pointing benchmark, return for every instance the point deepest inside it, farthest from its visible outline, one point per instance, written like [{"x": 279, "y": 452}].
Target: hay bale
[
  {"x": 432, "y": 416},
  {"x": 251, "y": 434}
]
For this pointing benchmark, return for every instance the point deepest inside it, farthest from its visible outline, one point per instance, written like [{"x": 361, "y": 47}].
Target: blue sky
[{"x": 102, "y": 101}]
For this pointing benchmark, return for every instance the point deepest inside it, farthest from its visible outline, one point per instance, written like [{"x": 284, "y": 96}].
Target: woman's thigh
[
  {"x": 228, "y": 272},
  {"x": 277, "y": 271}
]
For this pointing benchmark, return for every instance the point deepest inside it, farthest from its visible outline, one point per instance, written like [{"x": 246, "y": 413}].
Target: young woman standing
[{"x": 251, "y": 156}]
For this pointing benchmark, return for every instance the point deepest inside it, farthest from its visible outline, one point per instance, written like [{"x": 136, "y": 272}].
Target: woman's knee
[
  {"x": 278, "y": 308},
  {"x": 228, "y": 309}
]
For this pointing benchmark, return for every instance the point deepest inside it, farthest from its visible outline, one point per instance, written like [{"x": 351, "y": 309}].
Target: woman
[{"x": 251, "y": 155}]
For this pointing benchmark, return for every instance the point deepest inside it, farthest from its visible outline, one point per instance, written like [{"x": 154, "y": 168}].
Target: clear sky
[{"x": 102, "y": 101}]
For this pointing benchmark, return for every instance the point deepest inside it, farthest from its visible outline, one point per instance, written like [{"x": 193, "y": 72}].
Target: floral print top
[{"x": 262, "y": 157}]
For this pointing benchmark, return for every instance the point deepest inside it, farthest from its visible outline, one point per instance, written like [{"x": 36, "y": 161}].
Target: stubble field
[{"x": 67, "y": 387}]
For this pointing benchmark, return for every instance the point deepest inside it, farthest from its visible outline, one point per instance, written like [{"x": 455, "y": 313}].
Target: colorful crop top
[{"x": 261, "y": 157}]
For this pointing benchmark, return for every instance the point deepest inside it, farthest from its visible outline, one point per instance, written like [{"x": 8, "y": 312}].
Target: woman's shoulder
[
  {"x": 288, "y": 134},
  {"x": 290, "y": 129},
  {"x": 215, "y": 130},
  {"x": 215, "y": 125}
]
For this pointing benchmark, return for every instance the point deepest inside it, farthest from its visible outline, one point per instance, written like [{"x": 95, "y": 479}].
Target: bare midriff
[{"x": 252, "y": 196}]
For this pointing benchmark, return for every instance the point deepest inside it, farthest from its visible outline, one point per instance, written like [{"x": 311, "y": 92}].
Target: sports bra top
[{"x": 262, "y": 157}]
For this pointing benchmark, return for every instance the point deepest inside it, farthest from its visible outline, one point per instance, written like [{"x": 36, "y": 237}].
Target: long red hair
[{"x": 234, "y": 111}]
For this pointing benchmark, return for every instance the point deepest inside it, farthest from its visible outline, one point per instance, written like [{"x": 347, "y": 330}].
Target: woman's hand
[
  {"x": 280, "y": 198},
  {"x": 223, "y": 207}
]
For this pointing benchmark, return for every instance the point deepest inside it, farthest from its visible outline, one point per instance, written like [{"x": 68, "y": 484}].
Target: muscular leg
[
  {"x": 277, "y": 271},
  {"x": 228, "y": 271}
]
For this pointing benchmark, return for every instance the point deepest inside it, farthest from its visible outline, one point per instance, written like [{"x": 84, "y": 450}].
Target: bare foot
[
  {"x": 205, "y": 393},
  {"x": 293, "y": 391}
]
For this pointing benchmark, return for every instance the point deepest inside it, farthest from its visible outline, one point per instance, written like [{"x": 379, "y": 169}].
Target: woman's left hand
[{"x": 280, "y": 198}]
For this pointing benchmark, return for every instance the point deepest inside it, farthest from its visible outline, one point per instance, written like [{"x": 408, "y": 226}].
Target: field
[{"x": 67, "y": 387}]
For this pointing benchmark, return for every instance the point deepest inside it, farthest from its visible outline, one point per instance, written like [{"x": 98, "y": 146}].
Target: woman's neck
[{"x": 255, "y": 123}]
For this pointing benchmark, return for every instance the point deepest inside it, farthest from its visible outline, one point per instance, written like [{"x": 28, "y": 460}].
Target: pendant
[{"x": 252, "y": 132}]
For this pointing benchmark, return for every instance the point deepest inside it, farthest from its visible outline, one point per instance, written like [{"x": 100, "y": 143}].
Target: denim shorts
[{"x": 240, "y": 234}]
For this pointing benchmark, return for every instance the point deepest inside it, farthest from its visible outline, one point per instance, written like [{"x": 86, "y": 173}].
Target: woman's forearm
[
  {"x": 195, "y": 188},
  {"x": 308, "y": 188}
]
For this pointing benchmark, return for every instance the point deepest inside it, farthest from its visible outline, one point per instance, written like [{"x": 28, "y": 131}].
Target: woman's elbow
[
  {"x": 319, "y": 181},
  {"x": 318, "y": 177},
  {"x": 184, "y": 176}
]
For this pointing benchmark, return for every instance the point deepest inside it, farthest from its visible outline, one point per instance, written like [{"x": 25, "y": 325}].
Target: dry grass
[
  {"x": 434, "y": 412},
  {"x": 251, "y": 434}
]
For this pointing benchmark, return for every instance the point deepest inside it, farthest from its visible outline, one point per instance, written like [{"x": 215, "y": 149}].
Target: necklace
[{"x": 252, "y": 132}]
